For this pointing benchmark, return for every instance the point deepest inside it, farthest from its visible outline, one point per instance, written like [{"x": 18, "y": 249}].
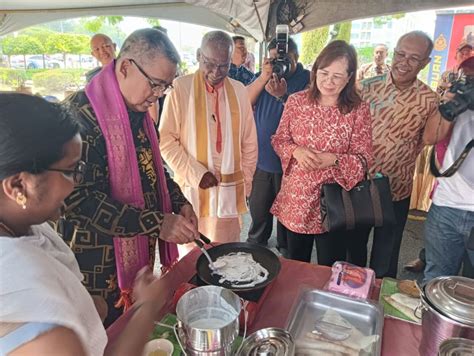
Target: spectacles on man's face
[
  {"x": 412, "y": 61},
  {"x": 77, "y": 174},
  {"x": 213, "y": 66},
  {"x": 157, "y": 88}
]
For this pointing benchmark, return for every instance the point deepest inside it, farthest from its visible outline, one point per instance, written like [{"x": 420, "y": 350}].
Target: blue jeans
[{"x": 447, "y": 232}]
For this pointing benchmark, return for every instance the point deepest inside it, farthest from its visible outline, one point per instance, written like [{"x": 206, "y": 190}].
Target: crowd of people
[{"x": 126, "y": 177}]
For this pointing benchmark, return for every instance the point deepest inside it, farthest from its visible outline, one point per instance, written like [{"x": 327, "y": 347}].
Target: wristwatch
[{"x": 282, "y": 99}]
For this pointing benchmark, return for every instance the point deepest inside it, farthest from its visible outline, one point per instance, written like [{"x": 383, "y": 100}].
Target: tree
[
  {"x": 94, "y": 24},
  {"x": 67, "y": 43},
  {"x": 21, "y": 45},
  {"x": 382, "y": 20},
  {"x": 313, "y": 43},
  {"x": 341, "y": 31},
  {"x": 365, "y": 55},
  {"x": 153, "y": 22}
]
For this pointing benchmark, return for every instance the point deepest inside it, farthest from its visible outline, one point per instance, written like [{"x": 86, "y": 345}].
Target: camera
[
  {"x": 463, "y": 99},
  {"x": 281, "y": 64}
]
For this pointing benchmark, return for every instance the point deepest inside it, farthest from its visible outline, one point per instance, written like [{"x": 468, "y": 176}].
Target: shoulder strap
[{"x": 454, "y": 167}]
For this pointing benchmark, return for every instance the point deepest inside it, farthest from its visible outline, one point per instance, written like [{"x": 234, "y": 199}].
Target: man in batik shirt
[
  {"x": 405, "y": 117},
  {"x": 105, "y": 216}
]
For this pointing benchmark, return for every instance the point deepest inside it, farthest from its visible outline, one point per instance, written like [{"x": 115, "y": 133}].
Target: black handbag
[{"x": 368, "y": 204}]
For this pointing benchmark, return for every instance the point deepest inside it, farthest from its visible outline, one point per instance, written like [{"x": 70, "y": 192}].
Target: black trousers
[
  {"x": 330, "y": 247},
  {"x": 265, "y": 187},
  {"x": 387, "y": 241}
]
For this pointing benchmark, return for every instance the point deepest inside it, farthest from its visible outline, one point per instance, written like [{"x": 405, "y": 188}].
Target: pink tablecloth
[{"x": 399, "y": 337}]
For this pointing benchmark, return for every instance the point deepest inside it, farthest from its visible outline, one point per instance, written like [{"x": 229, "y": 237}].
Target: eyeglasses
[
  {"x": 336, "y": 78},
  {"x": 77, "y": 173},
  {"x": 158, "y": 89},
  {"x": 212, "y": 66},
  {"x": 400, "y": 56}
]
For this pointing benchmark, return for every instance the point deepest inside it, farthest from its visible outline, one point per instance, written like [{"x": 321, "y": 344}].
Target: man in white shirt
[{"x": 450, "y": 223}]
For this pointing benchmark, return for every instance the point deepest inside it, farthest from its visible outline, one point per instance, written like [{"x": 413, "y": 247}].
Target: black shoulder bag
[{"x": 369, "y": 203}]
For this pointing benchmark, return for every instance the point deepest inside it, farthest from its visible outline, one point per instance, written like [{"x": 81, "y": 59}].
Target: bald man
[
  {"x": 103, "y": 49},
  {"x": 209, "y": 140}
]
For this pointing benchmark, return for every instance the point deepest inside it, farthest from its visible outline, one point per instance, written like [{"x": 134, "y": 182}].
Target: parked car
[{"x": 36, "y": 62}]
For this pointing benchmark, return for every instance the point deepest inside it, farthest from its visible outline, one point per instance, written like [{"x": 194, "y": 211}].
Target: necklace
[{"x": 7, "y": 229}]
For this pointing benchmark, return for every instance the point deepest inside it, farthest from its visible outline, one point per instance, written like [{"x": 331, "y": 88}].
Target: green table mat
[
  {"x": 166, "y": 332},
  {"x": 389, "y": 287}
]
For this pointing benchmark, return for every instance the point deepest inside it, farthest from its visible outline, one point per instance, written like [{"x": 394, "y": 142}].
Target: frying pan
[{"x": 260, "y": 254}]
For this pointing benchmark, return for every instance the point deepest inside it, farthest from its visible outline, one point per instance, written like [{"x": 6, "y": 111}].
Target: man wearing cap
[{"x": 463, "y": 52}]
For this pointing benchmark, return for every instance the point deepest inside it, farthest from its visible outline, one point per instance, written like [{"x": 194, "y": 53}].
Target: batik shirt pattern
[
  {"x": 398, "y": 122},
  {"x": 98, "y": 217}
]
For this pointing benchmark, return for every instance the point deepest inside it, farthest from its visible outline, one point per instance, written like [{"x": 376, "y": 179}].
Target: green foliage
[
  {"x": 365, "y": 55},
  {"x": 57, "y": 80},
  {"x": 95, "y": 24},
  {"x": 12, "y": 77},
  {"x": 344, "y": 31},
  {"x": 382, "y": 20},
  {"x": 153, "y": 22},
  {"x": 21, "y": 45},
  {"x": 313, "y": 43},
  {"x": 67, "y": 43}
]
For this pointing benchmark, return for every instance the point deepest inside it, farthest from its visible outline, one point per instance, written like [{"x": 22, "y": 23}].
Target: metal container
[
  {"x": 456, "y": 347},
  {"x": 362, "y": 315},
  {"x": 268, "y": 342},
  {"x": 208, "y": 320},
  {"x": 447, "y": 305}
]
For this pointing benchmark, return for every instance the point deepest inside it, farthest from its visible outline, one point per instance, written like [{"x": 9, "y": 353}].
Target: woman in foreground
[{"x": 45, "y": 309}]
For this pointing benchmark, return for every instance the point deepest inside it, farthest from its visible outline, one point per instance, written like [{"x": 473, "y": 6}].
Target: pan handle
[{"x": 205, "y": 239}]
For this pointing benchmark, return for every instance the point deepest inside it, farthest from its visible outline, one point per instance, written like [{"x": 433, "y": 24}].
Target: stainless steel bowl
[{"x": 268, "y": 342}]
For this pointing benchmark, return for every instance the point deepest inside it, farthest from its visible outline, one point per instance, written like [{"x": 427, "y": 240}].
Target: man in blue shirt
[
  {"x": 237, "y": 71},
  {"x": 268, "y": 94}
]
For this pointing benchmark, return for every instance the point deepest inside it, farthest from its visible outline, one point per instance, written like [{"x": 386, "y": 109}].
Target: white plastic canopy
[{"x": 255, "y": 18}]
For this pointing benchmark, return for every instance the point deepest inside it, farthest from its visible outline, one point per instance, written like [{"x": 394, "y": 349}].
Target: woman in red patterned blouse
[{"x": 322, "y": 131}]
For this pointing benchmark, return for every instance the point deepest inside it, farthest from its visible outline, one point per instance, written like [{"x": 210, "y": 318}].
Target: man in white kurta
[{"x": 208, "y": 139}]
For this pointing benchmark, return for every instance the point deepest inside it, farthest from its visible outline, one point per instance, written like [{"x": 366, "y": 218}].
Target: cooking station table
[{"x": 399, "y": 337}]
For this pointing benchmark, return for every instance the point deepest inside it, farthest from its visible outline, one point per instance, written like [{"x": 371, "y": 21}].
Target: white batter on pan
[{"x": 240, "y": 270}]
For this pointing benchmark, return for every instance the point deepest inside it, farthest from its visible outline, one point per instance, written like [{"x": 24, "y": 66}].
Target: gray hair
[
  {"x": 218, "y": 39},
  {"x": 381, "y": 45},
  {"x": 147, "y": 44},
  {"x": 421, "y": 34}
]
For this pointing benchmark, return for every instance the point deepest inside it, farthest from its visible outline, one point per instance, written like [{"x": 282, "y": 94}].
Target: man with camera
[
  {"x": 281, "y": 76},
  {"x": 449, "y": 227}
]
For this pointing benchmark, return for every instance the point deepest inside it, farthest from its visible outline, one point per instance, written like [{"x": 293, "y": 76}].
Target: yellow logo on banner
[{"x": 441, "y": 43}]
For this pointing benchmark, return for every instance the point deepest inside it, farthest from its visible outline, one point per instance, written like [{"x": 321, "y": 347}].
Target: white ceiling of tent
[{"x": 222, "y": 14}]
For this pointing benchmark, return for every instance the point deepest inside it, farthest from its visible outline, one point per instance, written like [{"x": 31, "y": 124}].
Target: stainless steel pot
[
  {"x": 208, "y": 320},
  {"x": 447, "y": 311},
  {"x": 456, "y": 347}
]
